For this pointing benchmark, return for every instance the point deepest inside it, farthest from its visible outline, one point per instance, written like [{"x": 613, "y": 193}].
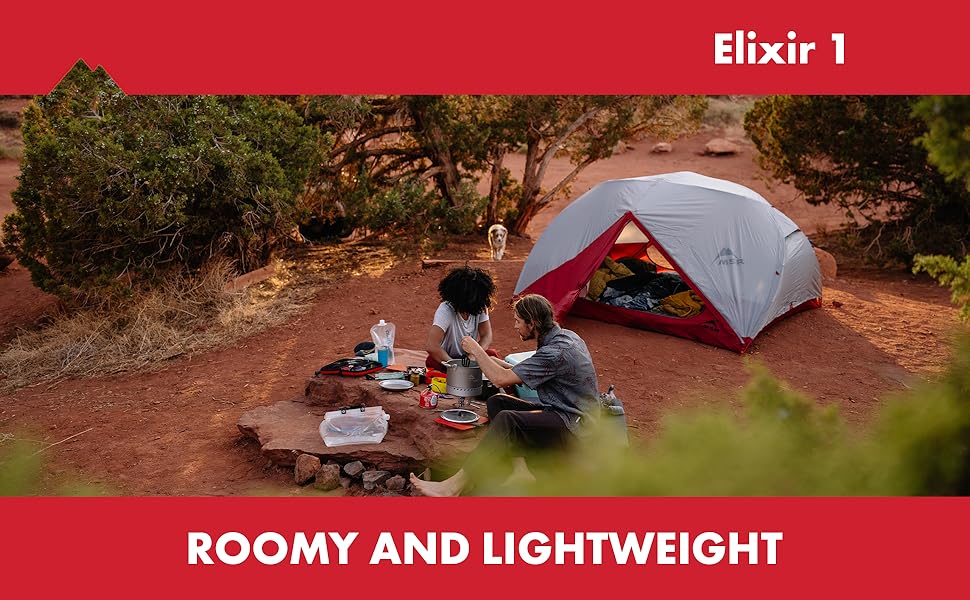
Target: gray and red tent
[{"x": 747, "y": 261}]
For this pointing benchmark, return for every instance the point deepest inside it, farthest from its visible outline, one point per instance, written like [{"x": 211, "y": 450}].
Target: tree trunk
[
  {"x": 491, "y": 216},
  {"x": 430, "y": 135}
]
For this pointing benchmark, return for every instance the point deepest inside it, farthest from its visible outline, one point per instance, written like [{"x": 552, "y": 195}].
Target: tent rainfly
[{"x": 748, "y": 263}]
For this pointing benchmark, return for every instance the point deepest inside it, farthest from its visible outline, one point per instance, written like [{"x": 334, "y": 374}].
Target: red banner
[
  {"x": 161, "y": 547},
  {"x": 485, "y": 547},
  {"x": 507, "y": 46}
]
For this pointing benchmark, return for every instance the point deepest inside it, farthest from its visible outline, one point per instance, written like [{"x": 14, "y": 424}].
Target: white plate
[
  {"x": 396, "y": 385},
  {"x": 459, "y": 415}
]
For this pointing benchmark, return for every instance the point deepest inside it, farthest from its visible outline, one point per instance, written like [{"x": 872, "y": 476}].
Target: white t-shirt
[{"x": 456, "y": 328}]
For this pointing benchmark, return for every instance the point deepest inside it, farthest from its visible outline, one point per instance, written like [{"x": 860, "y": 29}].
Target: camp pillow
[{"x": 350, "y": 367}]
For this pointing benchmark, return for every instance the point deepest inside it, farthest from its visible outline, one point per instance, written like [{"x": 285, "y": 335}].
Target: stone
[
  {"x": 372, "y": 479},
  {"x": 305, "y": 468},
  {"x": 354, "y": 468},
  {"x": 621, "y": 147},
  {"x": 414, "y": 440},
  {"x": 346, "y": 482},
  {"x": 721, "y": 147},
  {"x": 395, "y": 484},
  {"x": 827, "y": 264},
  {"x": 662, "y": 147},
  {"x": 327, "y": 478}
]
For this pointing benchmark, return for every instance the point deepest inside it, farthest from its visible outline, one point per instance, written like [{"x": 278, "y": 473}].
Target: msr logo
[{"x": 727, "y": 257}]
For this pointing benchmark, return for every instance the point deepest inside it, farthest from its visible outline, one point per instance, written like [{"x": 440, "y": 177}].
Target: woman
[{"x": 466, "y": 295}]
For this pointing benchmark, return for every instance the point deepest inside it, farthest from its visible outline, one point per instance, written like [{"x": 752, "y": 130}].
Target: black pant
[{"x": 516, "y": 428}]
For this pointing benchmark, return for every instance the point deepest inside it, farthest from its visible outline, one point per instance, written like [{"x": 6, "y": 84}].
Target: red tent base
[{"x": 704, "y": 327}]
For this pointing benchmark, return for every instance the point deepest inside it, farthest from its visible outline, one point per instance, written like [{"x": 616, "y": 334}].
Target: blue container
[
  {"x": 384, "y": 355},
  {"x": 521, "y": 390}
]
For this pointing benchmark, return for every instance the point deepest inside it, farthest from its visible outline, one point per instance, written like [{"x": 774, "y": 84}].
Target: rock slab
[{"x": 289, "y": 428}]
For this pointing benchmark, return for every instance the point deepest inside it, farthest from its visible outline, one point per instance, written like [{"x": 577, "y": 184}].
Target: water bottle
[
  {"x": 383, "y": 336},
  {"x": 616, "y": 416}
]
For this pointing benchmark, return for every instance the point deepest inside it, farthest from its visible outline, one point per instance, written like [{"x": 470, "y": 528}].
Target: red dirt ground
[{"x": 174, "y": 431}]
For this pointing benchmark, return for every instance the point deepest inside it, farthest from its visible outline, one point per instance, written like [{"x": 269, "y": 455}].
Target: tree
[
  {"x": 586, "y": 129},
  {"x": 115, "y": 189},
  {"x": 948, "y": 136},
  {"x": 861, "y": 153},
  {"x": 454, "y": 141}
]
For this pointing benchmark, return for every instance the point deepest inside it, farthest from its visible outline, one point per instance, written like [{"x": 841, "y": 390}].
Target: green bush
[
  {"x": 862, "y": 153},
  {"x": 116, "y": 189},
  {"x": 782, "y": 444},
  {"x": 950, "y": 273},
  {"x": 414, "y": 207}
]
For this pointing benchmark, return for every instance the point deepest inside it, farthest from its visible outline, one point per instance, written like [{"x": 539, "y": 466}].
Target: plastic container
[
  {"x": 521, "y": 390},
  {"x": 354, "y": 426},
  {"x": 383, "y": 336}
]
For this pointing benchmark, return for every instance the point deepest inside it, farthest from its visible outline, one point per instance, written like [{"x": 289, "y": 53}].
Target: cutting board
[{"x": 462, "y": 426}]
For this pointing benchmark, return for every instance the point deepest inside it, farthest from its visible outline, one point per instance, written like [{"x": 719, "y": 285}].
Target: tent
[{"x": 748, "y": 264}]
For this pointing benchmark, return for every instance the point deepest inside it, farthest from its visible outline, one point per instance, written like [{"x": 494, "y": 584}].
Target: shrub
[
  {"x": 949, "y": 272},
  {"x": 862, "y": 154},
  {"x": 116, "y": 189}
]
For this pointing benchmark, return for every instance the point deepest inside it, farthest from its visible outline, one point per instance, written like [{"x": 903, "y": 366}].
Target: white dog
[{"x": 497, "y": 235}]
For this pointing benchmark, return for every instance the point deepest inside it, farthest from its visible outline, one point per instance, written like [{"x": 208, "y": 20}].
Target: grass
[
  {"x": 185, "y": 316},
  {"x": 10, "y": 145},
  {"x": 727, "y": 113}
]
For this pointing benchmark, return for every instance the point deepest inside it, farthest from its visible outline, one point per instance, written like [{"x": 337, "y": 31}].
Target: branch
[
  {"x": 370, "y": 136},
  {"x": 551, "y": 150},
  {"x": 565, "y": 181}
]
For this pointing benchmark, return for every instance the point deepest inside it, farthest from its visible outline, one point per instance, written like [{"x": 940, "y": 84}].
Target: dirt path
[{"x": 173, "y": 431}]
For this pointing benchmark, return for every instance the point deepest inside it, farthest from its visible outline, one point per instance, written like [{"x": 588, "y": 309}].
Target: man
[{"x": 562, "y": 374}]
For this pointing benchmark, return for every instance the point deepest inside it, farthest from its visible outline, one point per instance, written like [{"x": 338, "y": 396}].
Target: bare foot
[
  {"x": 449, "y": 487},
  {"x": 521, "y": 475}
]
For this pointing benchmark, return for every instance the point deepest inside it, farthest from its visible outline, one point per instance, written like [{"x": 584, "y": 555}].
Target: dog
[{"x": 497, "y": 236}]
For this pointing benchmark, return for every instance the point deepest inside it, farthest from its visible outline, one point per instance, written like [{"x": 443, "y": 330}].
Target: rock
[
  {"x": 721, "y": 147},
  {"x": 395, "y": 484},
  {"x": 5, "y": 260},
  {"x": 662, "y": 147},
  {"x": 305, "y": 469},
  {"x": 354, "y": 468},
  {"x": 827, "y": 264},
  {"x": 346, "y": 482},
  {"x": 372, "y": 479},
  {"x": 414, "y": 440},
  {"x": 327, "y": 478}
]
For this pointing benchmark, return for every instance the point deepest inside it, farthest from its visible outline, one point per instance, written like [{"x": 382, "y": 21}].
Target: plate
[
  {"x": 396, "y": 385},
  {"x": 459, "y": 415}
]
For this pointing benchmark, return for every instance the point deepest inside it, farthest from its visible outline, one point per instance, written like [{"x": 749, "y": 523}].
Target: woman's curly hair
[{"x": 468, "y": 290}]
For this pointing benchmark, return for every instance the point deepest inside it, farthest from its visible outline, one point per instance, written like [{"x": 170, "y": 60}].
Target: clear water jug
[{"x": 383, "y": 336}]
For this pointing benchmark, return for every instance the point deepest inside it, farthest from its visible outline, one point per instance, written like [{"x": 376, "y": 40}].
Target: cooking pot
[{"x": 464, "y": 381}]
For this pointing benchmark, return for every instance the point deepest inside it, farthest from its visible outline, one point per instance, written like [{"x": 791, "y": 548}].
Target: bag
[
  {"x": 358, "y": 425},
  {"x": 349, "y": 367}
]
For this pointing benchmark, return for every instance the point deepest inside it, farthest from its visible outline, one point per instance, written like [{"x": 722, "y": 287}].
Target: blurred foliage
[
  {"x": 948, "y": 136},
  {"x": 21, "y": 471},
  {"x": 950, "y": 273},
  {"x": 863, "y": 154},
  {"x": 781, "y": 444},
  {"x": 116, "y": 189}
]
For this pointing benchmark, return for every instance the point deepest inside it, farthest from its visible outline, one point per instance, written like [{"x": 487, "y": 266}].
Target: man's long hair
[{"x": 535, "y": 310}]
